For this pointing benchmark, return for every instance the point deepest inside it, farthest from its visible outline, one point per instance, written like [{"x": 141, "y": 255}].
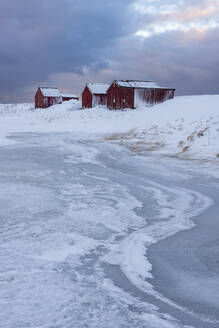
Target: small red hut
[
  {"x": 94, "y": 94},
  {"x": 132, "y": 94},
  {"x": 68, "y": 96},
  {"x": 46, "y": 97}
]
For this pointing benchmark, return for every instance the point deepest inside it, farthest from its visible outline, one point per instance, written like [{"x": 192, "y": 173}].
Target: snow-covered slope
[{"x": 187, "y": 126}]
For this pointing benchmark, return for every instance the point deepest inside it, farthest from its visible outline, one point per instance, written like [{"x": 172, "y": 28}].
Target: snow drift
[{"x": 186, "y": 127}]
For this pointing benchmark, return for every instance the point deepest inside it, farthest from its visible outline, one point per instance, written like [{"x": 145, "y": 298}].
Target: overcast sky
[{"x": 66, "y": 43}]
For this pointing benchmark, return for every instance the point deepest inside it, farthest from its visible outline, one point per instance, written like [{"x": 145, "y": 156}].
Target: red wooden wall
[
  {"x": 89, "y": 100},
  {"x": 69, "y": 98},
  {"x": 39, "y": 99},
  {"x": 118, "y": 97},
  {"x": 122, "y": 97},
  {"x": 44, "y": 102},
  {"x": 152, "y": 96},
  {"x": 86, "y": 98},
  {"x": 99, "y": 99}
]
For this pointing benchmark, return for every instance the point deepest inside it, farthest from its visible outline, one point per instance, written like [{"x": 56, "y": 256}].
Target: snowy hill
[{"x": 186, "y": 127}]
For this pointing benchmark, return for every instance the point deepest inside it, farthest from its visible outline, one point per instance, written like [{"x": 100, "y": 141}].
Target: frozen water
[{"x": 75, "y": 217}]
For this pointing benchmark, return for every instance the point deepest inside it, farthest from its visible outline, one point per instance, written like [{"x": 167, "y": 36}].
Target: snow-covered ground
[
  {"x": 79, "y": 214},
  {"x": 186, "y": 127}
]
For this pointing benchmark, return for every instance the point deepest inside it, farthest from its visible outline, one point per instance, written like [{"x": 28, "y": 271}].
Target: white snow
[
  {"x": 177, "y": 208},
  {"x": 98, "y": 88},
  {"x": 186, "y": 127},
  {"x": 74, "y": 202},
  {"x": 139, "y": 84},
  {"x": 50, "y": 92},
  {"x": 69, "y": 95}
]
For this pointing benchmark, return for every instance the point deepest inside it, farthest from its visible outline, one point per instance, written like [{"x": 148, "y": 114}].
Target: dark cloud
[
  {"x": 51, "y": 36},
  {"x": 48, "y": 40},
  {"x": 178, "y": 59}
]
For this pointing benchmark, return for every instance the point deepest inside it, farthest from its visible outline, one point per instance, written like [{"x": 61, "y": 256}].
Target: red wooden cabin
[
  {"x": 67, "y": 97},
  {"x": 94, "y": 94},
  {"x": 132, "y": 94},
  {"x": 46, "y": 97}
]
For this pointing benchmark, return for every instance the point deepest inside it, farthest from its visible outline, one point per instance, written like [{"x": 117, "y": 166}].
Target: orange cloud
[
  {"x": 197, "y": 18},
  {"x": 192, "y": 13}
]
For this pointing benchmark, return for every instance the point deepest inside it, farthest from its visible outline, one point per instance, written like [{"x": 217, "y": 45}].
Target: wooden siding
[
  {"x": 44, "y": 102},
  {"x": 118, "y": 98},
  {"x": 89, "y": 100},
  {"x": 150, "y": 97},
  {"x": 39, "y": 99},
  {"x": 69, "y": 98},
  {"x": 99, "y": 100},
  {"x": 86, "y": 98},
  {"x": 123, "y": 97}
]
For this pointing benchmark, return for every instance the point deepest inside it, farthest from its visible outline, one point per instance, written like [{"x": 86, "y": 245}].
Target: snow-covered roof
[
  {"x": 68, "y": 95},
  {"x": 138, "y": 84},
  {"x": 98, "y": 88},
  {"x": 50, "y": 92}
]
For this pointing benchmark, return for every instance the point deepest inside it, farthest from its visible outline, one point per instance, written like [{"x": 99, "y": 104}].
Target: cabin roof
[
  {"x": 98, "y": 88},
  {"x": 139, "y": 84},
  {"x": 69, "y": 95},
  {"x": 50, "y": 92}
]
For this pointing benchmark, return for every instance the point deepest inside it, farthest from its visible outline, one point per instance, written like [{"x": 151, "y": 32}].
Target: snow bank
[{"x": 186, "y": 127}]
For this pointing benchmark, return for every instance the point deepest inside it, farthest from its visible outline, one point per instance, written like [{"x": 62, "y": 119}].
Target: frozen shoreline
[
  {"x": 114, "y": 206},
  {"x": 187, "y": 263},
  {"x": 116, "y": 222},
  {"x": 132, "y": 253},
  {"x": 186, "y": 127}
]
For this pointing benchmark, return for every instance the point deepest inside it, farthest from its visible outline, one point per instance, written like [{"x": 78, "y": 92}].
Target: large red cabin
[
  {"x": 132, "y": 94},
  {"x": 46, "y": 97},
  {"x": 94, "y": 94}
]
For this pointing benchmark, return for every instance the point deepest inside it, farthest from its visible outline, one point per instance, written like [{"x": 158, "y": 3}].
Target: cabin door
[
  {"x": 50, "y": 102},
  {"x": 114, "y": 103}
]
